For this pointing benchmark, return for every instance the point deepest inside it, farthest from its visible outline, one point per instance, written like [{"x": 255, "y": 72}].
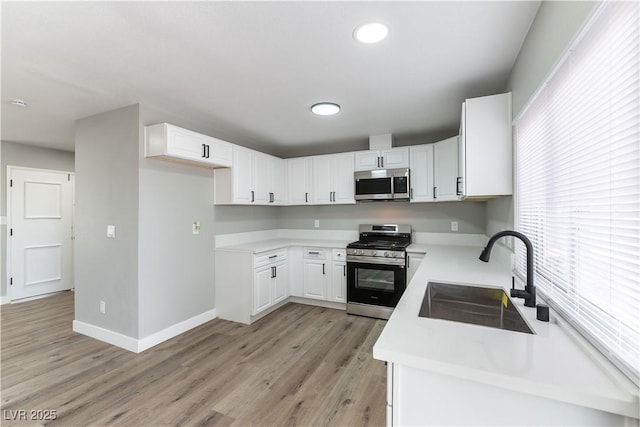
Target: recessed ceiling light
[
  {"x": 371, "y": 33},
  {"x": 19, "y": 103},
  {"x": 325, "y": 108}
]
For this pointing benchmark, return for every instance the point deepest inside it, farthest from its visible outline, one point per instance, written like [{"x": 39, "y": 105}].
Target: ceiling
[{"x": 248, "y": 72}]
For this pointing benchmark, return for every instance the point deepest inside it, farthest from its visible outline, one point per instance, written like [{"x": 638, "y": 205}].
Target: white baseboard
[
  {"x": 4, "y": 299},
  {"x": 140, "y": 345},
  {"x": 175, "y": 330},
  {"x": 106, "y": 335}
]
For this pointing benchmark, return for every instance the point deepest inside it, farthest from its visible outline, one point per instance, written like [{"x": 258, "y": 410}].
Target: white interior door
[{"x": 40, "y": 232}]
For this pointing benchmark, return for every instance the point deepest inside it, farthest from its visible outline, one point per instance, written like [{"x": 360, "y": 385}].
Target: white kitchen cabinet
[
  {"x": 485, "y": 148},
  {"x": 250, "y": 285},
  {"x": 421, "y": 173},
  {"x": 333, "y": 181},
  {"x": 262, "y": 298},
  {"x": 254, "y": 179},
  {"x": 300, "y": 180},
  {"x": 413, "y": 262},
  {"x": 316, "y": 273},
  {"x": 168, "y": 142},
  {"x": 391, "y": 158},
  {"x": 445, "y": 169},
  {"x": 338, "y": 282}
]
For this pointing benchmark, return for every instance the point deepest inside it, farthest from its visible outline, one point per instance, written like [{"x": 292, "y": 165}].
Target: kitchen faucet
[{"x": 529, "y": 292}]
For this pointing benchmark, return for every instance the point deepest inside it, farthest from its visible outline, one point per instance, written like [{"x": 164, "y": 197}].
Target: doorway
[{"x": 39, "y": 231}]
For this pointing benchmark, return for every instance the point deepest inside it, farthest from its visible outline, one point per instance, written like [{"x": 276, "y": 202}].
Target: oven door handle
[{"x": 361, "y": 259}]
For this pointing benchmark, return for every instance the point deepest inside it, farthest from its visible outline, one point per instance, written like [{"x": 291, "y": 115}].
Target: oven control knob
[
  {"x": 373, "y": 253},
  {"x": 386, "y": 254},
  {"x": 359, "y": 252}
]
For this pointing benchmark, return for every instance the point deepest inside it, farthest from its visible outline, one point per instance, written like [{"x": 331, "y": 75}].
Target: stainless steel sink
[{"x": 472, "y": 304}]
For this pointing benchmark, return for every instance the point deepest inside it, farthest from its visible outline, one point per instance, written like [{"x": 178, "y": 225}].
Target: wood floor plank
[{"x": 300, "y": 365}]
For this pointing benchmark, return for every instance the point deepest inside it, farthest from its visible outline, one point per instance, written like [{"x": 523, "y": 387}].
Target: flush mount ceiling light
[
  {"x": 372, "y": 32},
  {"x": 19, "y": 103},
  {"x": 325, "y": 108}
]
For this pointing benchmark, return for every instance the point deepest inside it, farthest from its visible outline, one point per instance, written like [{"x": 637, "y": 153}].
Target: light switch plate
[
  {"x": 195, "y": 229},
  {"x": 454, "y": 225},
  {"x": 111, "y": 231},
  {"x": 316, "y": 223}
]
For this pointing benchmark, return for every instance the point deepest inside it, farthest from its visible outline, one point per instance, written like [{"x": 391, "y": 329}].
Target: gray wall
[
  {"x": 14, "y": 154},
  {"x": 176, "y": 272},
  {"x": 238, "y": 219},
  {"x": 555, "y": 25},
  {"x": 107, "y": 193},
  {"x": 424, "y": 217}
]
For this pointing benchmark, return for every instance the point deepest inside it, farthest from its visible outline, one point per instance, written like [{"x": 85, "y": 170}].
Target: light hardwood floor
[{"x": 300, "y": 365}]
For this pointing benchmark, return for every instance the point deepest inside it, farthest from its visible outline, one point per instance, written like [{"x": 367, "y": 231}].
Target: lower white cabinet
[
  {"x": 249, "y": 285},
  {"x": 316, "y": 273},
  {"x": 269, "y": 286},
  {"x": 338, "y": 281},
  {"x": 413, "y": 262}
]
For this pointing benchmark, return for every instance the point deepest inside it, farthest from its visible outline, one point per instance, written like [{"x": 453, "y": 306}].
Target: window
[{"x": 578, "y": 184}]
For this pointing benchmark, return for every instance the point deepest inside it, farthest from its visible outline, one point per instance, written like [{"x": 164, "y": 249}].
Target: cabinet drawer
[
  {"x": 314, "y": 253},
  {"x": 339, "y": 254},
  {"x": 266, "y": 258}
]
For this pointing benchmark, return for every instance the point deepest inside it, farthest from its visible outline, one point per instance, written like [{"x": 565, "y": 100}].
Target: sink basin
[{"x": 472, "y": 304}]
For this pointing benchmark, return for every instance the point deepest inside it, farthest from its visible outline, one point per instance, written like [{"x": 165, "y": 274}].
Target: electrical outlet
[
  {"x": 454, "y": 225},
  {"x": 111, "y": 231},
  {"x": 195, "y": 229},
  {"x": 103, "y": 307},
  {"x": 316, "y": 223}
]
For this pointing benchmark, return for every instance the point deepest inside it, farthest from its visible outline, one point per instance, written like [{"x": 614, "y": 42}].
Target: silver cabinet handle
[
  {"x": 322, "y": 268},
  {"x": 273, "y": 256},
  {"x": 381, "y": 162},
  {"x": 252, "y": 196},
  {"x": 313, "y": 253},
  {"x": 435, "y": 192},
  {"x": 459, "y": 186},
  {"x": 271, "y": 197},
  {"x": 306, "y": 197},
  {"x": 378, "y": 161},
  {"x": 204, "y": 150},
  {"x": 344, "y": 270}
]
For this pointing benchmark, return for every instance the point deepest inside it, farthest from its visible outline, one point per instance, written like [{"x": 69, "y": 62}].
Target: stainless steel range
[{"x": 377, "y": 269}]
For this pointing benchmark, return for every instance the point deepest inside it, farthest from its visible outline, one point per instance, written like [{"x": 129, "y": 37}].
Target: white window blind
[{"x": 578, "y": 184}]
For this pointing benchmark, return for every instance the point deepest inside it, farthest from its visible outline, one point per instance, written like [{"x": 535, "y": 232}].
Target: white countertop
[
  {"x": 273, "y": 244},
  {"x": 552, "y": 363}
]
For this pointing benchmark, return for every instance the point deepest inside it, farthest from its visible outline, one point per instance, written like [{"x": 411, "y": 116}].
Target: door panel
[{"x": 40, "y": 245}]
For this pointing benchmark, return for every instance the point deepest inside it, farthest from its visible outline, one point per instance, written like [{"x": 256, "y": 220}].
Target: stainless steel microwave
[{"x": 382, "y": 184}]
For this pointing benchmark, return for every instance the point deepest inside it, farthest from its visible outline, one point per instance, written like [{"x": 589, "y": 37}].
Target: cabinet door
[
  {"x": 185, "y": 144},
  {"x": 395, "y": 158},
  {"x": 422, "y": 173},
  {"x": 262, "y": 289},
  {"x": 343, "y": 181},
  {"x": 262, "y": 177},
  {"x": 339, "y": 282},
  {"x": 323, "y": 179},
  {"x": 445, "y": 155},
  {"x": 243, "y": 176},
  {"x": 220, "y": 152},
  {"x": 413, "y": 261},
  {"x": 299, "y": 180},
  {"x": 367, "y": 160},
  {"x": 315, "y": 274},
  {"x": 279, "y": 182},
  {"x": 280, "y": 283}
]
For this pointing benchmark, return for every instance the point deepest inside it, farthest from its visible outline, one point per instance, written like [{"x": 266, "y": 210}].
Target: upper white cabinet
[
  {"x": 445, "y": 169},
  {"x": 485, "y": 147},
  {"x": 333, "y": 181},
  {"x": 300, "y": 177},
  {"x": 254, "y": 178},
  {"x": 173, "y": 143},
  {"x": 422, "y": 188},
  {"x": 434, "y": 171},
  {"x": 391, "y": 158}
]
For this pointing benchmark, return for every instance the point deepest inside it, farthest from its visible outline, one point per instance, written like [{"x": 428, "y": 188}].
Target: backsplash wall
[{"x": 423, "y": 217}]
